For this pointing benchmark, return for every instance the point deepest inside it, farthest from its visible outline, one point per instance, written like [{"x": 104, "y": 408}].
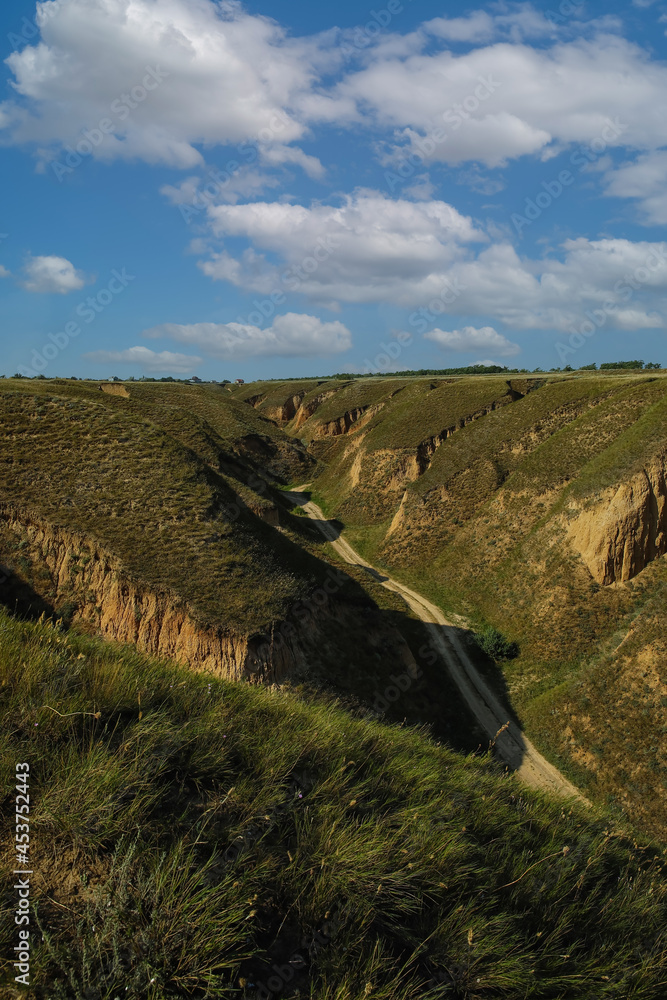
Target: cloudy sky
[{"x": 260, "y": 190}]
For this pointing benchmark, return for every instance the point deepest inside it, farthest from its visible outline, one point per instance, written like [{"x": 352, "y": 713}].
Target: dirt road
[{"x": 511, "y": 745}]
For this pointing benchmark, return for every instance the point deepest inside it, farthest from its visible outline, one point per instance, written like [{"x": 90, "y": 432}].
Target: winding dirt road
[{"x": 511, "y": 745}]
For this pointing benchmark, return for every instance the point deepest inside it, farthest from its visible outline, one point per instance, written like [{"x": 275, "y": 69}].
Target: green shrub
[{"x": 495, "y": 644}]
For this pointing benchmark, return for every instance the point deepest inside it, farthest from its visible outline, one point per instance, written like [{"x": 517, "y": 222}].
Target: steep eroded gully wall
[
  {"x": 64, "y": 568},
  {"x": 623, "y": 531}
]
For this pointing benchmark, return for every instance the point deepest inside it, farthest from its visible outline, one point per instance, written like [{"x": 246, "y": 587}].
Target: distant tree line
[
  {"x": 498, "y": 370},
  {"x": 630, "y": 364},
  {"x": 468, "y": 370}
]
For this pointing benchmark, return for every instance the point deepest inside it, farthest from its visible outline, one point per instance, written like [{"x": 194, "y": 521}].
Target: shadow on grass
[
  {"x": 431, "y": 696},
  {"x": 21, "y": 599},
  {"x": 374, "y": 573},
  {"x": 491, "y": 672}
]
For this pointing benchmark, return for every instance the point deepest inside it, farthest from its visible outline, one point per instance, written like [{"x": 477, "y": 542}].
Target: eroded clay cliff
[
  {"x": 626, "y": 528},
  {"x": 64, "y": 568}
]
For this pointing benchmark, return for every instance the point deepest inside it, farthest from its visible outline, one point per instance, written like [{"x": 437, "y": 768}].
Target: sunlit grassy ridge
[
  {"x": 346, "y": 397},
  {"x": 198, "y": 834},
  {"x": 244, "y": 430},
  {"x": 520, "y": 438},
  {"x": 268, "y": 395},
  {"x": 640, "y": 435},
  {"x": 214, "y": 411},
  {"x": 419, "y": 410},
  {"x": 152, "y": 483}
]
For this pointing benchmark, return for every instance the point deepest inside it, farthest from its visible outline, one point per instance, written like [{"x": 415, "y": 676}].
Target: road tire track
[{"x": 512, "y": 745}]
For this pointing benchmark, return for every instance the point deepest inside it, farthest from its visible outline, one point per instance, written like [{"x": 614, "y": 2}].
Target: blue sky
[{"x": 259, "y": 190}]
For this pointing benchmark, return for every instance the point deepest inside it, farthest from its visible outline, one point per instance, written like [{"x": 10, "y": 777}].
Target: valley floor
[{"x": 510, "y": 742}]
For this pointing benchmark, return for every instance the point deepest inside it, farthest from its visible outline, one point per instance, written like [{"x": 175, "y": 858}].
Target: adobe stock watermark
[
  {"x": 385, "y": 360},
  {"x": 218, "y": 179},
  {"x": 122, "y": 107},
  {"x": 30, "y": 27},
  {"x": 451, "y": 289},
  {"x": 87, "y": 310},
  {"x": 454, "y": 117},
  {"x": 401, "y": 683},
  {"x": 284, "y": 974},
  {"x": 552, "y": 190},
  {"x": 624, "y": 289},
  {"x": 565, "y": 10},
  {"x": 303, "y": 611},
  {"x": 363, "y": 35},
  {"x": 292, "y": 279},
  {"x": 261, "y": 827},
  {"x": 257, "y": 484}
]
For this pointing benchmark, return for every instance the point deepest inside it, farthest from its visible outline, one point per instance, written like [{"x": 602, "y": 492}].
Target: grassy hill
[
  {"x": 535, "y": 505},
  {"x": 196, "y": 838},
  {"x": 193, "y": 836},
  {"x": 156, "y": 483},
  {"x": 157, "y": 519}
]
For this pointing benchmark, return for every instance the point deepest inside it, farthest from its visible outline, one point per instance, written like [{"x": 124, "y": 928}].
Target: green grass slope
[
  {"x": 202, "y": 839},
  {"x": 466, "y": 489},
  {"x": 147, "y": 482},
  {"x": 508, "y": 562},
  {"x": 160, "y": 481}
]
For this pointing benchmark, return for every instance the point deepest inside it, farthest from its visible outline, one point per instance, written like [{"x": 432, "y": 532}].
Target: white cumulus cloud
[
  {"x": 506, "y": 99},
  {"x": 469, "y": 339},
  {"x": 291, "y": 335},
  {"x": 646, "y": 180},
  {"x": 367, "y": 249},
  {"x": 170, "y": 75},
  {"x": 557, "y": 292},
  {"x": 521, "y": 21},
  {"x": 147, "y": 360},
  {"x": 426, "y": 256},
  {"x": 195, "y": 194},
  {"x": 221, "y": 75},
  {"x": 52, "y": 274}
]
